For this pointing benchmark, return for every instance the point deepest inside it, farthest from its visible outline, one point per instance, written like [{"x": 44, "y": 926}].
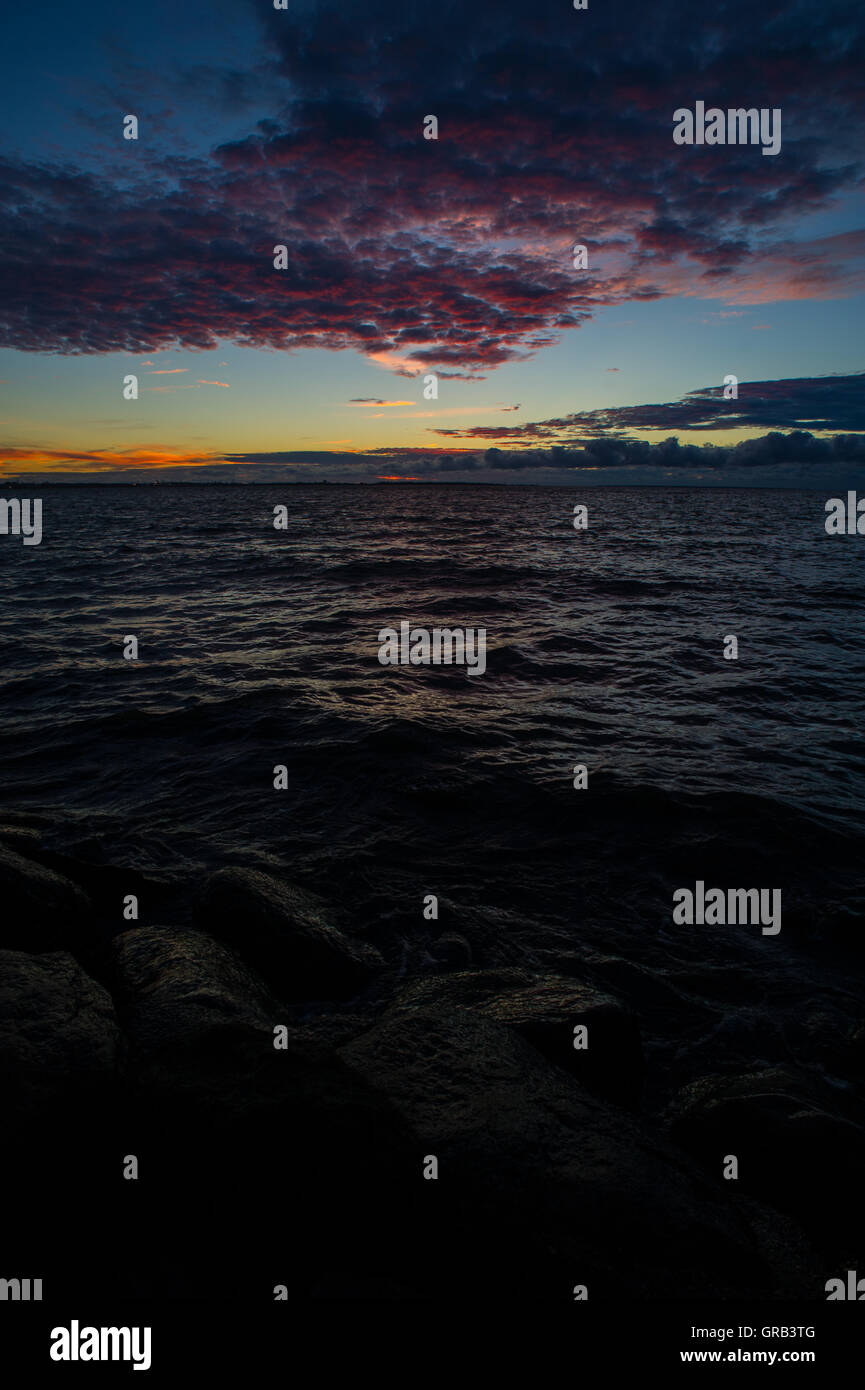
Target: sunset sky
[{"x": 408, "y": 256}]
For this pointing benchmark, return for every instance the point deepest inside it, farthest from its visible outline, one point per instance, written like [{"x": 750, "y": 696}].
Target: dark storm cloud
[
  {"x": 555, "y": 127},
  {"x": 773, "y": 450},
  {"x": 279, "y": 457},
  {"x": 821, "y": 403}
]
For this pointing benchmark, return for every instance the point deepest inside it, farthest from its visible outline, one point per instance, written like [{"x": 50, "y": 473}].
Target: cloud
[
  {"x": 17, "y": 459},
  {"x": 795, "y": 459},
  {"x": 450, "y": 255},
  {"x": 190, "y": 385},
  {"x": 822, "y": 403},
  {"x": 771, "y": 451}
]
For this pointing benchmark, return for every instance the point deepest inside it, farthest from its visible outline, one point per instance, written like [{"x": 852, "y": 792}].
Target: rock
[
  {"x": 61, "y": 1074},
  {"x": 265, "y": 1158},
  {"x": 793, "y": 1153},
  {"x": 21, "y": 838},
  {"x": 106, "y": 885},
  {"x": 544, "y": 1010},
  {"x": 257, "y": 1166},
  {"x": 201, "y": 1031},
  {"x": 180, "y": 989},
  {"x": 451, "y": 952},
  {"x": 283, "y": 932},
  {"x": 651, "y": 991},
  {"x": 541, "y": 1186},
  {"x": 496, "y": 937},
  {"x": 41, "y": 910},
  {"x": 60, "y": 1043}
]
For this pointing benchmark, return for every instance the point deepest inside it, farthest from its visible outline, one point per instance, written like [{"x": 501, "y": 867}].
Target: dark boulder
[
  {"x": 274, "y": 1162},
  {"x": 542, "y": 1187},
  {"x": 451, "y": 952},
  {"x": 42, "y": 911},
  {"x": 793, "y": 1152},
  {"x": 177, "y": 989},
  {"x": 285, "y": 933},
  {"x": 545, "y": 1010},
  {"x": 25, "y": 839},
  {"x": 203, "y": 1034},
  {"x": 60, "y": 1044}
]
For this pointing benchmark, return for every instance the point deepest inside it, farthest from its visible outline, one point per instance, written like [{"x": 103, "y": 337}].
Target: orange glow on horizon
[{"x": 101, "y": 460}]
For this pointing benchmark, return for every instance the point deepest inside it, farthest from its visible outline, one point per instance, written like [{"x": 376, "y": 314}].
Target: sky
[{"x": 405, "y": 256}]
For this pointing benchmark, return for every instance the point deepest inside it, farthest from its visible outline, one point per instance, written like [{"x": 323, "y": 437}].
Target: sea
[{"x": 258, "y": 650}]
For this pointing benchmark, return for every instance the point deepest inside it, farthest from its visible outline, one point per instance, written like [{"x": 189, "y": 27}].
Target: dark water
[{"x": 258, "y": 647}]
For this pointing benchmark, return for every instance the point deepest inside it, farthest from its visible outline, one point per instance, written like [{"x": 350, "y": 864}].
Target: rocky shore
[{"x": 283, "y": 1084}]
